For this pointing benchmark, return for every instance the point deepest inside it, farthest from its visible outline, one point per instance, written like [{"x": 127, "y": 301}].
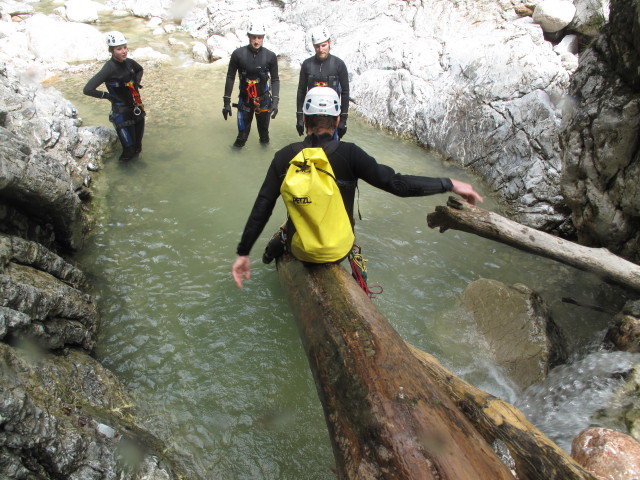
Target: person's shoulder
[
  {"x": 348, "y": 145},
  {"x": 337, "y": 59},
  {"x": 351, "y": 149},
  {"x": 289, "y": 150},
  {"x": 283, "y": 156}
]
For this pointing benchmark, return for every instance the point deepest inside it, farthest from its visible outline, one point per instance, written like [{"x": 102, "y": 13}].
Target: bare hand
[
  {"x": 466, "y": 191},
  {"x": 241, "y": 268}
]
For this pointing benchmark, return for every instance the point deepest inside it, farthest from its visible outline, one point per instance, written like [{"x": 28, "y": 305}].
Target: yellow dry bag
[{"x": 323, "y": 232}]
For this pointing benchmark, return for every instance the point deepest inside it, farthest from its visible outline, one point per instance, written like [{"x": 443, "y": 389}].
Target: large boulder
[
  {"x": 53, "y": 39},
  {"x": 607, "y": 454},
  {"x": 554, "y": 15},
  {"x": 84, "y": 11},
  {"x": 517, "y": 324}
]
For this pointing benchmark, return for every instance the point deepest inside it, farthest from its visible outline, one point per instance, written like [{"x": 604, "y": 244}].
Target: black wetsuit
[
  {"x": 330, "y": 72},
  {"x": 126, "y": 118},
  {"x": 349, "y": 163},
  {"x": 256, "y": 69}
]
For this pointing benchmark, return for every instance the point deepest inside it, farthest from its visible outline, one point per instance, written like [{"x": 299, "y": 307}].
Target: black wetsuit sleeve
[
  {"x": 234, "y": 65},
  {"x": 343, "y": 77},
  {"x": 385, "y": 178},
  {"x": 105, "y": 73},
  {"x": 262, "y": 209},
  {"x": 302, "y": 86},
  {"x": 275, "y": 77}
]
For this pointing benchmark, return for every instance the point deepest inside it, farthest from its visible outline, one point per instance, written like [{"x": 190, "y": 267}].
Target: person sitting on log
[{"x": 348, "y": 163}]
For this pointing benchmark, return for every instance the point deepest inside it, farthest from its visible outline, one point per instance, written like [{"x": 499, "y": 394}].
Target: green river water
[{"x": 220, "y": 372}]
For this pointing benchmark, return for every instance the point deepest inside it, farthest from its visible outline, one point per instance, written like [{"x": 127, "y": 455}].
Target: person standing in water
[
  {"x": 259, "y": 82},
  {"x": 323, "y": 70},
  {"x": 121, "y": 76}
]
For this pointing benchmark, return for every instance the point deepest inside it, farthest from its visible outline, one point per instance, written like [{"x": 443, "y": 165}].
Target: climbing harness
[
  {"x": 139, "y": 107},
  {"x": 252, "y": 95},
  {"x": 321, "y": 84},
  {"x": 359, "y": 271}
]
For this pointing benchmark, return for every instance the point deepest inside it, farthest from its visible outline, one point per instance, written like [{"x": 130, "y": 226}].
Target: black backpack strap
[
  {"x": 297, "y": 148},
  {"x": 331, "y": 147}
]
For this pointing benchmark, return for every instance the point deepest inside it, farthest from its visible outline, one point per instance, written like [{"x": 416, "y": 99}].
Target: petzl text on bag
[{"x": 323, "y": 232}]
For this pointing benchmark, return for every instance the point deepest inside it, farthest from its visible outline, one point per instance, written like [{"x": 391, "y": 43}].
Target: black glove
[
  {"x": 342, "y": 126},
  {"x": 299, "y": 124},
  {"x": 226, "y": 110},
  {"x": 274, "y": 107}
]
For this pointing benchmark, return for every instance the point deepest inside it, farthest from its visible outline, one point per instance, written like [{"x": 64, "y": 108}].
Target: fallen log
[
  {"x": 390, "y": 417},
  {"x": 386, "y": 418},
  {"x": 459, "y": 215},
  {"x": 535, "y": 456}
]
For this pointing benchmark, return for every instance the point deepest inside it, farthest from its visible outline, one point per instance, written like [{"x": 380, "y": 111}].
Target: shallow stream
[{"x": 220, "y": 372}]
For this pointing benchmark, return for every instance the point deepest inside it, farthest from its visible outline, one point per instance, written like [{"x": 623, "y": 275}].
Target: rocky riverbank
[{"x": 480, "y": 82}]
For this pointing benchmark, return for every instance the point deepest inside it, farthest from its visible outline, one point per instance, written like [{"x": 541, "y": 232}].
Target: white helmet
[
  {"x": 115, "y": 39},
  {"x": 319, "y": 34},
  {"x": 321, "y": 101},
  {"x": 256, "y": 28}
]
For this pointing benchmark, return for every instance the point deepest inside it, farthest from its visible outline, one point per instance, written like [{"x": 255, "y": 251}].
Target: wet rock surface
[
  {"x": 66, "y": 416},
  {"x": 624, "y": 333},
  {"x": 607, "y": 454},
  {"x": 518, "y": 326}
]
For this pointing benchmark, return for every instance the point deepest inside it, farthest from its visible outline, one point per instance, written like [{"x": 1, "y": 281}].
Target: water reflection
[{"x": 221, "y": 371}]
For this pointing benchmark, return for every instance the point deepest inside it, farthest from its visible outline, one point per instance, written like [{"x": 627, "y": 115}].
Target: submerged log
[
  {"x": 468, "y": 218},
  {"x": 389, "y": 409}
]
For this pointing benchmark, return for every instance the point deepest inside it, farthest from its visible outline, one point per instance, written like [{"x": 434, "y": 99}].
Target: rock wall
[
  {"x": 62, "y": 415},
  {"x": 601, "y": 138}
]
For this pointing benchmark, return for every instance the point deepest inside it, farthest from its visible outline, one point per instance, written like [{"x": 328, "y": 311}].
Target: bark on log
[
  {"x": 392, "y": 411},
  {"x": 468, "y": 218},
  {"x": 387, "y": 419},
  {"x": 535, "y": 456}
]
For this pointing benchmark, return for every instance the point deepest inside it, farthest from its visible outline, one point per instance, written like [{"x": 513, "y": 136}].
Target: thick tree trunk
[
  {"x": 392, "y": 411},
  {"x": 535, "y": 456},
  {"x": 465, "y": 217},
  {"x": 387, "y": 418}
]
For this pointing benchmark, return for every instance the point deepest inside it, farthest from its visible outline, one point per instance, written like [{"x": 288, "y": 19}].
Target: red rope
[{"x": 359, "y": 274}]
